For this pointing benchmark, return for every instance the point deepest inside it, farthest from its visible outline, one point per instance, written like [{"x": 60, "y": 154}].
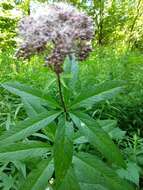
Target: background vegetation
[{"x": 117, "y": 55}]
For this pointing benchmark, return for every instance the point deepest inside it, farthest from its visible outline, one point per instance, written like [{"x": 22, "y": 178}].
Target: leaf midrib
[
  {"x": 81, "y": 101},
  {"x": 18, "y": 130}
]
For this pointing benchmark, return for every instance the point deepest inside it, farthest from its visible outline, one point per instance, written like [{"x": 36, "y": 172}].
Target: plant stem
[{"x": 61, "y": 95}]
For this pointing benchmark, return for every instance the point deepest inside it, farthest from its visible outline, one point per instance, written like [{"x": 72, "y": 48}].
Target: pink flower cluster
[{"x": 69, "y": 30}]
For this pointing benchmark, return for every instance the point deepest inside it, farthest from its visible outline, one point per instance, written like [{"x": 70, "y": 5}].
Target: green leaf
[
  {"x": 21, "y": 166},
  {"x": 70, "y": 181},
  {"x": 88, "y": 186},
  {"x": 107, "y": 124},
  {"x": 28, "y": 127},
  {"x": 79, "y": 138},
  {"x": 50, "y": 131},
  {"x": 7, "y": 181},
  {"x": 38, "y": 178},
  {"x": 110, "y": 127},
  {"x": 23, "y": 150},
  {"x": 71, "y": 67},
  {"x": 32, "y": 107},
  {"x": 131, "y": 173},
  {"x": 140, "y": 158},
  {"x": 90, "y": 170},
  {"x": 98, "y": 137},
  {"x": 104, "y": 91},
  {"x": 70, "y": 77},
  {"x": 63, "y": 150},
  {"x": 30, "y": 93},
  {"x": 117, "y": 134}
]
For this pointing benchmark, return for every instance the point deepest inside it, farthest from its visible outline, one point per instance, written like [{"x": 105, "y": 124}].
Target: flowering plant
[
  {"x": 64, "y": 127},
  {"x": 69, "y": 30}
]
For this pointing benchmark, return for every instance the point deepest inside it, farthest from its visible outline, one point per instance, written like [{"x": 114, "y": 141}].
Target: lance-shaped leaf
[
  {"x": 23, "y": 150},
  {"x": 25, "y": 91},
  {"x": 71, "y": 67},
  {"x": 110, "y": 127},
  {"x": 63, "y": 150},
  {"x": 97, "y": 93},
  {"x": 32, "y": 107},
  {"x": 70, "y": 181},
  {"x": 98, "y": 137},
  {"x": 28, "y": 127},
  {"x": 38, "y": 178},
  {"x": 91, "y": 170}
]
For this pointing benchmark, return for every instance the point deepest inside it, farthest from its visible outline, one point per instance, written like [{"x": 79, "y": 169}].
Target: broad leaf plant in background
[{"x": 62, "y": 146}]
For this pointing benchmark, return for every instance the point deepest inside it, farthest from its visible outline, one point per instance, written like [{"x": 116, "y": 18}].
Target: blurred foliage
[
  {"x": 117, "y": 54},
  {"x": 117, "y": 23},
  {"x": 7, "y": 25},
  {"x": 109, "y": 64}
]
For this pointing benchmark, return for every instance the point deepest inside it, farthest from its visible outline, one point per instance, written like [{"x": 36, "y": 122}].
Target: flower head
[{"x": 67, "y": 28}]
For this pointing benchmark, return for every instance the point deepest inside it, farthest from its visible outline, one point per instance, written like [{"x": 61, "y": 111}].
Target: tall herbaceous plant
[{"x": 68, "y": 149}]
